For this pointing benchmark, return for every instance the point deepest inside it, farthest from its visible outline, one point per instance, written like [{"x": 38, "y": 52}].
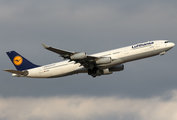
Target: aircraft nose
[{"x": 172, "y": 44}]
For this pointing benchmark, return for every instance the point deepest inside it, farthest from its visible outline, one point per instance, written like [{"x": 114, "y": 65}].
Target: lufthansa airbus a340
[{"x": 103, "y": 63}]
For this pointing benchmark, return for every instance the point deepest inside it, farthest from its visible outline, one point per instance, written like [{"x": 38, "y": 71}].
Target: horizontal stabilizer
[{"x": 17, "y": 72}]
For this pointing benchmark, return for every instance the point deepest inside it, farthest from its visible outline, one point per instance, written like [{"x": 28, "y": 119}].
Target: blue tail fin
[{"x": 20, "y": 62}]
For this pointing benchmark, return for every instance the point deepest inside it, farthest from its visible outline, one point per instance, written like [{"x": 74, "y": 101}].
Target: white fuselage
[{"x": 119, "y": 56}]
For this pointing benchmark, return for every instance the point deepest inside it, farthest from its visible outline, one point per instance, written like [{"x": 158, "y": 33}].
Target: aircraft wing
[
  {"x": 78, "y": 57},
  {"x": 63, "y": 53}
]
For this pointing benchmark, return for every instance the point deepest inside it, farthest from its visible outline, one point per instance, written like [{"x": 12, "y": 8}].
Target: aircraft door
[
  {"x": 157, "y": 45},
  {"x": 126, "y": 51},
  {"x": 40, "y": 71}
]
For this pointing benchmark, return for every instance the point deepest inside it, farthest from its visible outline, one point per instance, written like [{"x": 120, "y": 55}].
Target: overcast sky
[{"x": 146, "y": 89}]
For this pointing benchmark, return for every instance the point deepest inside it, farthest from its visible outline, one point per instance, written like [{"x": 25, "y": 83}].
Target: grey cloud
[{"x": 85, "y": 108}]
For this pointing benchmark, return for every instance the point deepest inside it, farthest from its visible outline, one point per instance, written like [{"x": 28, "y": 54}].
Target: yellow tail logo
[{"x": 17, "y": 60}]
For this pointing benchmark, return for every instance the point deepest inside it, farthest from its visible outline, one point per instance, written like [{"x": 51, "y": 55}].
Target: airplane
[{"x": 103, "y": 63}]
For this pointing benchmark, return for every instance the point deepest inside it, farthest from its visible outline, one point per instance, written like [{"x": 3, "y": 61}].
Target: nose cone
[{"x": 172, "y": 44}]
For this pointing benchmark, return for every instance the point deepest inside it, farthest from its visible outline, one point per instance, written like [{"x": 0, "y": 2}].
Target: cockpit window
[{"x": 167, "y": 41}]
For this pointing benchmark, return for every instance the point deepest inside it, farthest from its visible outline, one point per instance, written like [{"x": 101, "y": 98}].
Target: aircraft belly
[
  {"x": 64, "y": 70},
  {"x": 34, "y": 73},
  {"x": 159, "y": 50},
  {"x": 75, "y": 70},
  {"x": 52, "y": 72}
]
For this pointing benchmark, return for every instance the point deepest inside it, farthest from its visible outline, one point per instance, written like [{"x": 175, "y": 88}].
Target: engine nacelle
[
  {"x": 101, "y": 72},
  {"x": 117, "y": 68},
  {"x": 78, "y": 56},
  {"x": 107, "y": 72},
  {"x": 105, "y": 60}
]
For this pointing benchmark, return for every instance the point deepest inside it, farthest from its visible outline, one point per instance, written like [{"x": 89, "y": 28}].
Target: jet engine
[
  {"x": 117, "y": 68},
  {"x": 78, "y": 56},
  {"x": 106, "y": 72},
  {"x": 98, "y": 72},
  {"x": 104, "y": 60}
]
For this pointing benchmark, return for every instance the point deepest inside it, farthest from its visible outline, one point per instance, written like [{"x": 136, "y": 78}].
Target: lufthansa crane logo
[{"x": 18, "y": 60}]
